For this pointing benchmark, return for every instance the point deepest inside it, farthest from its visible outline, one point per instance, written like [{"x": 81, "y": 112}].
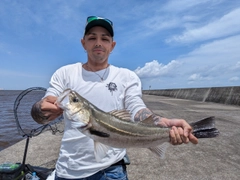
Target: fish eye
[{"x": 75, "y": 100}]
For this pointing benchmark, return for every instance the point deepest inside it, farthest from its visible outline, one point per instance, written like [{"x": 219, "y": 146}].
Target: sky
[{"x": 169, "y": 43}]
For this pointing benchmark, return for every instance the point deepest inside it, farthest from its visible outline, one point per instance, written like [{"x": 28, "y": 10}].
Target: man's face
[{"x": 98, "y": 43}]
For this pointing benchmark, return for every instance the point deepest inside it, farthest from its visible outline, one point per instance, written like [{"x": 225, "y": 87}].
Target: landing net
[{"x": 22, "y": 111}]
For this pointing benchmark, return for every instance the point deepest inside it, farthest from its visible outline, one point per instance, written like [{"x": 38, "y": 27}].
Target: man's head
[
  {"x": 98, "y": 40},
  {"x": 93, "y": 21}
]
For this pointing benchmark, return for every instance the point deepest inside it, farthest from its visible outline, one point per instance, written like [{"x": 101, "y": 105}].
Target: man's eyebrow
[
  {"x": 104, "y": 34},
  {"x": 91, "y": 33}
]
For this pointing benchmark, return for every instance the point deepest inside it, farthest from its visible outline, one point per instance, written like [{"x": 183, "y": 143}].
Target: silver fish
[{"x": 116, "y": 129}]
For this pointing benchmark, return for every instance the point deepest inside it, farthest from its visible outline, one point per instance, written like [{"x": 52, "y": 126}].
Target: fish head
[{"x": 74, "y": 108}]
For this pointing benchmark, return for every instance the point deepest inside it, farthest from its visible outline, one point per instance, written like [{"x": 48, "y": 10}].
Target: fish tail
[{"x": 205, "y": 128}]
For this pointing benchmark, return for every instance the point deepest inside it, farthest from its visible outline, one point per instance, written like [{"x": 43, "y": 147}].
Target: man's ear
[
  {"x": 83, "y": 43},
  {"x": 113, "y": 45}
]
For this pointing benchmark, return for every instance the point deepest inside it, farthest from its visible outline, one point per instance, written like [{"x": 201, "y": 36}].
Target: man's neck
[{"x": 95, "y": 66}]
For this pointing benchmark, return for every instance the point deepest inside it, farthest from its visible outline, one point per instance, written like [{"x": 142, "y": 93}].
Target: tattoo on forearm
[
  {"x": 156, "y": 119},
  {"x": 144, "y": 114},
  {"x": 37, "y": 113}
]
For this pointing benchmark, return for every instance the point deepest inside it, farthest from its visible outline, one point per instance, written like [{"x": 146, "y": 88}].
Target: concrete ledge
[
  {"x": 223, "y": 95},
  {"x": 42, "y": 150}
]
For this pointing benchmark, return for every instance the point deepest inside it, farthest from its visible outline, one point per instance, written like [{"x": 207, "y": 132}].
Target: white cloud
[
  {"x": 195, "y": 77},
  {"x": 218, "y": 51},
  {"x": 157, "y": 24},
  {"x": 198, "y": 77},
  {"x": 155, "y": 69},
  {"x": 236, "y": 66},
  {"x": 235, "y": 78},
  {"x": 164, "y": 16},
  {"x": 209, "y": 60},
  {"x": 227, "y": 25},
  {"x": 213, "y": 61},
  {"x": 211, "y": 64},
  {"x": 183, "y": 5}
]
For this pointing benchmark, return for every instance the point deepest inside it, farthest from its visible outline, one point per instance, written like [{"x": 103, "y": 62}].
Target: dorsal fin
[{"x": 121, "y": 114}]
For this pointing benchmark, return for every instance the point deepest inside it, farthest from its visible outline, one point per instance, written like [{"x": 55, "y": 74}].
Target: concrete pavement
[{"x": 212, "y": 159}]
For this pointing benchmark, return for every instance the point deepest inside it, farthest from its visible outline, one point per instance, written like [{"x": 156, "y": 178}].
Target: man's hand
[
  {"x": 180, "y": 131},
  {"x": 45, "y": 110}
]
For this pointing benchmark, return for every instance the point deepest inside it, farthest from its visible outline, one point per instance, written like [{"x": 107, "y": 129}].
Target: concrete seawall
[{"x": 223, "y": 95}]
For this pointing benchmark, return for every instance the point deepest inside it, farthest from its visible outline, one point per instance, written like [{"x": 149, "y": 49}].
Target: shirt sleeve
[
  {"x": 133, "y": 95},
  {"x": 57, "y": 83}
]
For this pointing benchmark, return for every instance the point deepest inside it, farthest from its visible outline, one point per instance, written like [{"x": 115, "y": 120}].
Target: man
[{"x": 109, "y": 88}]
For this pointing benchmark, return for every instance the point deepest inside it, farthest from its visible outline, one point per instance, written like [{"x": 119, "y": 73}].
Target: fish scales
[{"x": 126, "y": 134}]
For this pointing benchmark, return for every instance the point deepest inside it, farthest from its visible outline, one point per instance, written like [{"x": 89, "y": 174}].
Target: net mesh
[{"x": 22, "y": 111}]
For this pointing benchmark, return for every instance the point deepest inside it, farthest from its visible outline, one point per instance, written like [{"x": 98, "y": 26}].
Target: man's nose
[{"x": 98, "y": 42}]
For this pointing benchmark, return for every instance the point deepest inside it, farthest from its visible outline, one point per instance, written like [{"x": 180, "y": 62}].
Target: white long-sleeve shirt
[{"x": 121, "y": 89}]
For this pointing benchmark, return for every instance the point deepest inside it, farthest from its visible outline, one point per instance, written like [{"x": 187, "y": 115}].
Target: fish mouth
[
  {"x": 62, "y": 97},
  {"x": 84, "y": 127},
  {"x": 87, "y": 126}
]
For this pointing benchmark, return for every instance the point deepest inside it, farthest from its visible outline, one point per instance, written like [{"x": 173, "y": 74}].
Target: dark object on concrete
[
  {"x": 41, "y": 172},
  {"x": 12, "y": 173}
]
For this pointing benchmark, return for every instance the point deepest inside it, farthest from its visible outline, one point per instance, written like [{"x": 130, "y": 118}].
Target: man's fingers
[
  {"x": 173, "y": 139},
  {"x": 180, "y": 132},
  {"x": 48, "y": 104},
  {"x": 187, "y": 129},
  {"x": 184, "y": 139},
  {"x": 51, "y": 99},
  {"x": 50, "y": 107},
  {"x": 176, "y": 136},
  {"x": 193, "y": 139},
  {"x": 49, "y": 115},
  {"x": 189, "y": 135}
]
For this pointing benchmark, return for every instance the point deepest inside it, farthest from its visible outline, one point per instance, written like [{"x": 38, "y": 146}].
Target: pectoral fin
[
  {"x": 148, "y": 122},
  {"x": 100, "y": 150},
  {"x": 160, "y": 150},
  {"x": 98, "y": 133}
]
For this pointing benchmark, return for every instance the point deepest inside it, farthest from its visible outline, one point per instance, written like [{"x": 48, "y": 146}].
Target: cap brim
[{"x": 99, "y": 22}]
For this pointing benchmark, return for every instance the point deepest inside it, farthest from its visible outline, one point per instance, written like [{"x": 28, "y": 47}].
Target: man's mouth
[{"x": 98, "y": 50}]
